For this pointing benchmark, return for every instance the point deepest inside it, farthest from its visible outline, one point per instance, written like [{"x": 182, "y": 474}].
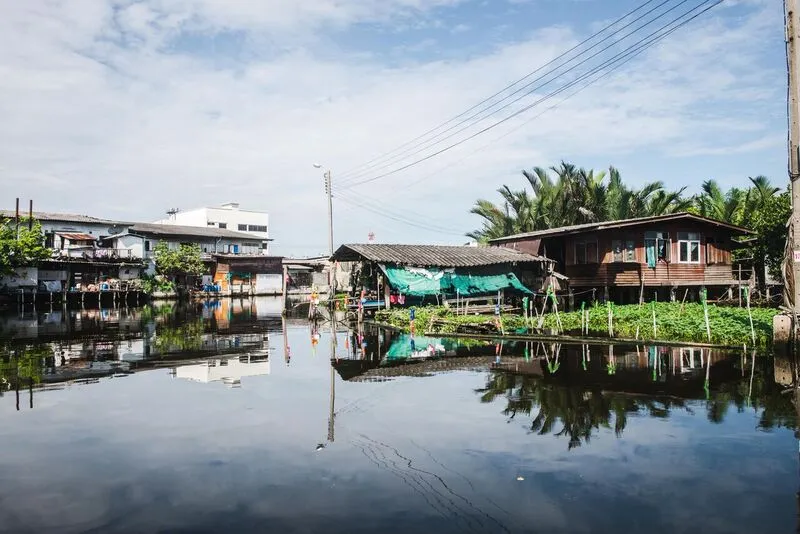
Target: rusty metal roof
[
  {"x": 434, "y": 255},
  {"x": 610, "y": 225},
  {"x": 76, "y": 236},
  {"x": 61, "y": 217}
]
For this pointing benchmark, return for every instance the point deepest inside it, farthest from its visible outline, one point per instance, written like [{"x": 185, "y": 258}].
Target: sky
[{"x": 124, "y": 109}]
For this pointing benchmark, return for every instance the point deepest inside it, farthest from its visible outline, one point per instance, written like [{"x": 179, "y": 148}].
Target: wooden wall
[{"x": 714, "y": 268}]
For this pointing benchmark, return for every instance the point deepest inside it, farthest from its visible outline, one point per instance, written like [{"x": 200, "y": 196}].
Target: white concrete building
[{"x": 226, "y": 217}]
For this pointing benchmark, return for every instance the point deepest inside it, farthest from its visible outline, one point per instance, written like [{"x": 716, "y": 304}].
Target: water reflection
[
  {"x": 50, "y": 349},
  {"x": 223, "y": 417}
]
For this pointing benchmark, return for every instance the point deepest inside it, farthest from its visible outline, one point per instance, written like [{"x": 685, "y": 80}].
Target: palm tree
[
  {"x": 564, "y": 195},
  {"x": 723, "y": 206}
]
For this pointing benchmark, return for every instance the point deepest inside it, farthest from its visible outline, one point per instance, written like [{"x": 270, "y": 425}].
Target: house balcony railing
[{"x": 101, "y": 254}]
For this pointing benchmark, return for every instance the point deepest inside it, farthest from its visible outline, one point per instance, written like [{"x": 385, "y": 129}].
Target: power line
[
  {"x": 383, "y": 212},
  {"x": 430, "y": 143},
  {"x": 510, "y": 86},
  {"x": 531, "y": 119},
  {"x": 611, "y": 61},
  {"x": 409, "y": 215}
]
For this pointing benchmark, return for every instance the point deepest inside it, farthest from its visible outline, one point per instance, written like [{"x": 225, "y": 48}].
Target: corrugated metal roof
[
  {"x": 72, "y": 236},
  {"x": 433, "y": 255},
  {"x": 60, "y": 217},
  {"x": 605, "y": 225},
  {"x": 196, "y": 231}
]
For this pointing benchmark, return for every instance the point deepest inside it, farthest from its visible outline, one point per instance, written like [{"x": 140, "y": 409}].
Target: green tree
[
  {"x": 567, "y": 195},
  {"x": 184, "y": 260},
  {"x": 769, "y": 222},
  {"x": 21, "y": 249}
]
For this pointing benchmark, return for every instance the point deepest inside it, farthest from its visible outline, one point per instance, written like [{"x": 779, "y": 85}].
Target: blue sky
[{"x": 155, "y": 103}]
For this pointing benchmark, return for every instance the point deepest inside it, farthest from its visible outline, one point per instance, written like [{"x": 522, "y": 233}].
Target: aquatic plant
[{"x": 674, "y": 322}]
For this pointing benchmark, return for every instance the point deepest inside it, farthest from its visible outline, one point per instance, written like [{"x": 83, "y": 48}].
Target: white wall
[
  {"x": 22, "y": 277},
  {"x": 77, "y": 228},
  {"x": 52, "y": 275},
  {"x": 134, "y": 243},
  {"x": 230, "y": 216}
]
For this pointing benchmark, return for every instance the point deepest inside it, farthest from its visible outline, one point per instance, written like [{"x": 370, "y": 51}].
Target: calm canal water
[{"x": 218, "y": 418}]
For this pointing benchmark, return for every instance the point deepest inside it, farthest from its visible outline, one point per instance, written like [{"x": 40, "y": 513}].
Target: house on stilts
[
  {"x": 665, "y": 257},
  {"x": 431, "y": 274}
]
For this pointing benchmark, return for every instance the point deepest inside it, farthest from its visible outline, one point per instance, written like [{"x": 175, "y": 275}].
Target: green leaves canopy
[
  {"x": 567, "y": 195},
  {"x": 179, "y": 261},
  {"x": 25, "y": 250}
]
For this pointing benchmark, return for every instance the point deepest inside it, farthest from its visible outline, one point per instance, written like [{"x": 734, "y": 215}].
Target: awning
[
  {"x": 76, "y": 236},
  {"x": 428, "y": 282}
]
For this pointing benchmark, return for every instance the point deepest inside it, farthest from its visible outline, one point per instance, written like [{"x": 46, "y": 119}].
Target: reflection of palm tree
[{"x": 579, "y": 410}]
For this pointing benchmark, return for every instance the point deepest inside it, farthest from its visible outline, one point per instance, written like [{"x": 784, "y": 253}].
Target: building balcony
[{"x": 96, "y": 254}]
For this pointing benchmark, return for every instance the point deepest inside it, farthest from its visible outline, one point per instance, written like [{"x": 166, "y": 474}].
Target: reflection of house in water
[{"x": 229, "y": 371}]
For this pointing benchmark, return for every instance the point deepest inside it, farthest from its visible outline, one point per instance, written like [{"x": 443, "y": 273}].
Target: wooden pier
[{"x": 108, "y": 298}]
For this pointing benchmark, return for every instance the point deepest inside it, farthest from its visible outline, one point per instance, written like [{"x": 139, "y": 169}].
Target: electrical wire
[
  {"x": 531, "y": 119},
  {"x": 510, "y": 86},
  {"x": 383, "y": 212},
  {"x": 545, "y": 98},
  {"x": 429, "y": 142}
]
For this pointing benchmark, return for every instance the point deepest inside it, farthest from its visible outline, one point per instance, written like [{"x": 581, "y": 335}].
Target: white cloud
[{"x": 105, "y": 104}]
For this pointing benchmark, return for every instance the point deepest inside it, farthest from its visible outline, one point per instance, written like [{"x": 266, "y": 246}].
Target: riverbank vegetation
[{"x": 674, "y": 322}]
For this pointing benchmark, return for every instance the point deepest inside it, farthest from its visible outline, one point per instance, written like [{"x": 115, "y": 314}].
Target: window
[
  {"x": 257, "y": 228},
  {"x": 623, "y": 251},
  {"x": 147, "y": 246},
  {"x": 688, "y": 247},
  {"x": 242, "y": 227},
  {"x": 264, "y": 245},
  {"x": 211, "y": 223},
  {"x": 586, "y": 251},
  {"x": 657, "y": 247},
  {"x": 223, "y": 225}
]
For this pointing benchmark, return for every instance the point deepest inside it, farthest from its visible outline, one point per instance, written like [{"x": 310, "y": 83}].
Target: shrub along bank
[{"x": 674, "y": 322}]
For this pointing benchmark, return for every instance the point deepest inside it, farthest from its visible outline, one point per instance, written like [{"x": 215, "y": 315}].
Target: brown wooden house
[{"x": 644, "y": 258}]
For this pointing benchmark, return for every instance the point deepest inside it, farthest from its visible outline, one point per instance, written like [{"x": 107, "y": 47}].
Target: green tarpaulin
[
  {"x": 428, "y": 282},
  {"x": 402, "y": 347}
]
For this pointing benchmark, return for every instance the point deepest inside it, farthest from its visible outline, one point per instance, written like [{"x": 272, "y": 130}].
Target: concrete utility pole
[
  {"x": 793, "y": 63},
  {"x": 330, "y": 211}
]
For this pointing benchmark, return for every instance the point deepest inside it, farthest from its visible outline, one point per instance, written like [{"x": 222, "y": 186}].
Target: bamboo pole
[
  {"x": 544, "y": 307},
  {"x": 555, "y": 308},
  {"x": 704, "y": 296},
  {"x": 583, "y": 317},
  {"x": 683, "y": 302},
  {"x": 750, "y": 315},
  {"x": 610, "y": 320},
  {"x": 655, "y": 329}
]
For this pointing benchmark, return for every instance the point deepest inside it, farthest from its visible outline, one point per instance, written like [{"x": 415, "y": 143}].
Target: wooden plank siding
[{"x": 714, "y": 268}]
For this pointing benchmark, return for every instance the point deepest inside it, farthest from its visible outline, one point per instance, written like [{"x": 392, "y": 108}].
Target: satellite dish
[{"x": 114, "y": 230}]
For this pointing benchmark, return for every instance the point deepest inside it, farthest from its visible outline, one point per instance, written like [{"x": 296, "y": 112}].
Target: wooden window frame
[
  {"x": 627, "y": 251},
  {"x": 688, "y": 241},
  {"x": 659, "y": 236},
  {"x": 583, "y": 243}
]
